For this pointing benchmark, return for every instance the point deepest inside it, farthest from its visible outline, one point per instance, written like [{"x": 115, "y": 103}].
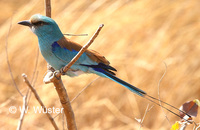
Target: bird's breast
[{"x": 50, "y": 57}]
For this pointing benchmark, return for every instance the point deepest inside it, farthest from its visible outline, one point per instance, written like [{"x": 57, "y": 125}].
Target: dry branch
[
  {"x": 22, "y": 112},
  {"x": 146, "y": 111},
  {"x": 26, "y": 99},
  {"x": 64, "y": 99},
  {"x": 39, "y": 100},
  {"x": 48, "y": 8},
  {"x": 159, "y": 92}
]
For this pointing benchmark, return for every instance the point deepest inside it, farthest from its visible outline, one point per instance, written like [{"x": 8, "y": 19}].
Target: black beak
[{"x": 25, "y": 23}]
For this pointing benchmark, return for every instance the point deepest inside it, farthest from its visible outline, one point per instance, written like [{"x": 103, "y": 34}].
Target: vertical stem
[
  {"x": 64, "y": 99},
  {"x": 48, "y": 8}
]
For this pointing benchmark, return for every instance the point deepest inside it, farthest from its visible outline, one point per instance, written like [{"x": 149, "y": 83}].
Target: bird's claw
[
  {"x": 55, "y": 73},
  {"x": 62, "y": 71}
]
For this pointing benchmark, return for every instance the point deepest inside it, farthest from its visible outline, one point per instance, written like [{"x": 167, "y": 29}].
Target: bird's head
[{"x": 43, "y": 27}]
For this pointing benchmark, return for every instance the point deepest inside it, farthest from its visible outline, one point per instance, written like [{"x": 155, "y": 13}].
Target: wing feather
[{"x": 93, "y": 55}]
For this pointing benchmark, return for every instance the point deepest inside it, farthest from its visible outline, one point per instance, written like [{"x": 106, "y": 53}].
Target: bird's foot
[
  {"x": 62, "y": 71},
  {"x": 55, "y": 74},
  {"x": 52, "y": 74}
]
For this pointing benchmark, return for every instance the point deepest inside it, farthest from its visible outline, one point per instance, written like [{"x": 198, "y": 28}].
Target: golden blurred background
[{"x": 138, "y": 37}]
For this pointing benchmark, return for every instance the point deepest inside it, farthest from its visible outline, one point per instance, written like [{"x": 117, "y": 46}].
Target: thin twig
[
  {"x": 23, "y": 112},
  {"x": 10, "y": 71},
  {"x": 48, "y": 8},
  {"x": 34, "y": 77},
  {"x": 146, "y": 111},
  {"x": 36, "y": 65},
  {"x": 39, "y": 100},
  {"x": 83, "y": 49},
  {"x": 33, "y": 84},
  {"x": 159, "y": 92},
  {"x": 143, "y": 116},
  {"x": 76, "y": 34},
  {"x": 26, "y": 100},
  {"x": 84, "y": 89}
]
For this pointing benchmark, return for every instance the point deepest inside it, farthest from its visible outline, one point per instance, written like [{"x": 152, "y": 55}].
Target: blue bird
[{"x": 58, "y": 51}]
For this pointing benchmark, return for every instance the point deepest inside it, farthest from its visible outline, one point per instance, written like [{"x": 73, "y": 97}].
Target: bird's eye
[{"x": 39, "y": 23}]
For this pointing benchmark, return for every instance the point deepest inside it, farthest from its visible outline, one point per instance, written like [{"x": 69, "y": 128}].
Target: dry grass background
[{"x": 138, "y": 36}]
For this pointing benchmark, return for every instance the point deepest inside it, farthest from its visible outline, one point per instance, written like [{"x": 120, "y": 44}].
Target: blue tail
[
  {"x": 123, "y": 83},
  {"x": 106, "y": 71}
]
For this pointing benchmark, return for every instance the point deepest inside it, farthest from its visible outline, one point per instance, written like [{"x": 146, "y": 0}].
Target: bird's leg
[{"x": 49, "y": 67}]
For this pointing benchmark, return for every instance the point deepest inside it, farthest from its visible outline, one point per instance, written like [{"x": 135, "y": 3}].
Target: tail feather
[
  {"x": 106, "y": 71},
  {"x": 123, "y": 83}
]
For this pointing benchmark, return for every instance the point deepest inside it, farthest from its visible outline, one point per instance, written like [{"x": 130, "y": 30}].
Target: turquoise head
[{"x": 44, "y": 27}]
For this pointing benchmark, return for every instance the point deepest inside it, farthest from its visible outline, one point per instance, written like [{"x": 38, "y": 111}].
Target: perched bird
[{"x": 59, "y": 50}]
